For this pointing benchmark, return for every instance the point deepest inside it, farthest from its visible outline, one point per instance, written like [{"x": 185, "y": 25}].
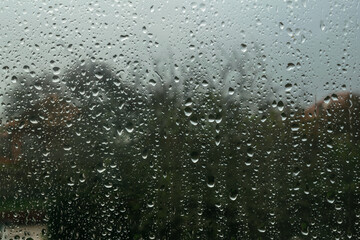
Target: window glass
[{"x": 179, "y": 119}]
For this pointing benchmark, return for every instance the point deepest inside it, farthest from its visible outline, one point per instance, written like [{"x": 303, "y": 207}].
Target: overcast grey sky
[{"x": 320, "y": 37}]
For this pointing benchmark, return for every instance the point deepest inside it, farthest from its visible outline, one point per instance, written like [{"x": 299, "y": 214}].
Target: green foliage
[{"x": 173, "y": 164}]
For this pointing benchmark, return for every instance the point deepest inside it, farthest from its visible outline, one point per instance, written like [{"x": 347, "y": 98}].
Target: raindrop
[
  {"x": 124, "y": 37},
  {"x": 231, "y": 91},
  {"x": 295, "y": 127},
  {"x": 150, "y": 204},
  {"x": 14, "y": 79},
  {"x": 194, "y": 156},
  {"x": 290, "y": 67},
  {"x": 67, "y": 148},
  {"x": 248, "y": 161},
  {"x": 101, "y": 170},
  {"x": 202, "y": 7},
  {"x": 280, "y": 105},
  {"x": 281, "y": 25},
  {"x": 188, "y": 102},
  {"x": 26, "y": 68},
  {"x": 327, "y": 100},
  {"x": 56, "y": 70},
  {"x": 193, "y": 120},
  {"x": 233, "y": 195},
  {"x": 322, "y": 25},
  {"x": 55, "y": 79},
  {"x": 250, "y": 152},
  {"x": 152, "y": 82},
  {"x": 188, "y": 111},
  {"x": 243, "y": 47},
  {"x": 211, "y": 181},
  {"x": 129, "y": 127},
  {"x": 288, "y": 87},
  {"x": 70, "y": 182},
  {"x": 34, "y": 121},
  {"x": 99, "y": 75}
]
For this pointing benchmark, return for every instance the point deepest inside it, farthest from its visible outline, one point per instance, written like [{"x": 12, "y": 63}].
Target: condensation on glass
[{"x": 179, "y": 119}]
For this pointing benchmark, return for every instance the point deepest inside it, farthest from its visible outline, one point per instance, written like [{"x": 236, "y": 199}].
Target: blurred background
[{"x": 179, "y": 120}]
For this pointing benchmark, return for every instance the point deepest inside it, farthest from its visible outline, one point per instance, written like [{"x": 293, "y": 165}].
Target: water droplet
[
  {"x": 55, "y": 79},
  {"x": 194, "y": 156},
  {"x": 288, "y": 87},
  {"x": 188, "y": 102},
  {"x": 322, "y": 25},
  {"x": 34, "y": 121},
  {"x": 67, "y": 148},
  {"x": 290, "y": 67},
  {"x": 281, "y": 25},
  {"x": 129, "y": 127},
  {"x": 248, "y": 161},
  {"x": 26, "y": 68},
  {"x": 150, "y": 204},
  {"x": 188, "y": 111},
  {"x": 295, "y": 127},
  {"x": 250, "y": 152},
  {"x": 280, "y": 105},
  {"x": 231, "y": 91},
  {"x": 152, "y": 82},
  {"x": 211, "y": 181},
  {"x": 124, "y": 37},
  {"x": 233, "y": 195},
  {"x": 202, "y": 7},
  {"x": 304, "y": 229},
  {"x": 193, "y": 120},
  {"x": 99, "y": 75},
  {"x": 56, "y": 70},
  {"x": 243, "y": 47},
  {"x": 14, "y": 79},
  {"x": 327, "y": 100}
]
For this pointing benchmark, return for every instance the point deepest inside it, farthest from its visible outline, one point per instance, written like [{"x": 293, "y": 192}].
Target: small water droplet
[
  {"x": 124, "y": 37},
  {"x": 281, "y": 25},
  {"x": 211, "y": 181},
  {"x": 288, "y": 87},
  {"x": 129, "y": 127},
  {"x": 56, "y": 70},
  {"x": 194, "y": 156},
  {"x": 55, "y": 79},
  {"x": 67, "y": 148},
  {"x": 99, "y": 75},
  {"x": 290, "y": 67},
  {"x": 280, "y": 105},
  {"x": 152, "y": 82},
  {"x": 243, "y": 47},
  {"x": 188, "y": 111},
  {"x": 231, "y": 91},
  {"x": 26, "y": 68},
  {"x": 322, "y": 25},
  {"x": 14, "y": 79}
]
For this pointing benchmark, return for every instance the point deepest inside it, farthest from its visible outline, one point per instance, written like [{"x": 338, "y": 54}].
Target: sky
[{"x": 311, "y": 44}]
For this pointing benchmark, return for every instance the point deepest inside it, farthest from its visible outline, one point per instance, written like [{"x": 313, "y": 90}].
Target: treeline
[{"x": 111, "y": 158}]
